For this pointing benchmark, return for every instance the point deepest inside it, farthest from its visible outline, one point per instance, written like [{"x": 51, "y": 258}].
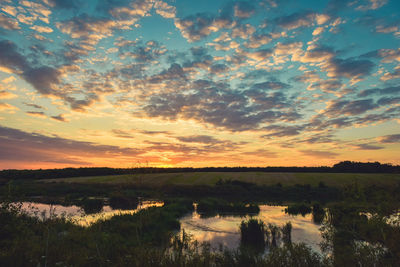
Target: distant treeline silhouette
[{"x": 344, "y": 166}]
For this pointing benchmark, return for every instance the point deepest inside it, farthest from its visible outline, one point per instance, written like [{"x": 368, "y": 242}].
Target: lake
[
  {"x": 224, "y": 230},
  {"x": 77, "y": 215},
  {"x": 218, "y": 229}
]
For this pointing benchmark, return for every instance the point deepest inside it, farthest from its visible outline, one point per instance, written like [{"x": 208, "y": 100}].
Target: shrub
[{"x": 252, "y": 235}]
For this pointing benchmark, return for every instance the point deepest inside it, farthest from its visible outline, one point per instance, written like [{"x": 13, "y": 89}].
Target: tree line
[{"x": 343, "y": 166}]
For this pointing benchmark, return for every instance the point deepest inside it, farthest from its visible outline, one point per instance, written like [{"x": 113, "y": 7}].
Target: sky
[{"x": 178, "y": 83}]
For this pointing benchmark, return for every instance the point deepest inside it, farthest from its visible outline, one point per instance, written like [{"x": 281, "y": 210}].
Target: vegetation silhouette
[
  {"x": 356, "y": 232},
  {"x": 341, "y": 167},
  {"x": 90, "y": 205},
  {"x": 119, "y": 200},
  {"x": 298, "y": 208},
  {"x": 318, "y": 213},
  {"x": 358, "y": 227},
  {"x": 208, "y": 207},
  {"x": 252, "y": 235}
]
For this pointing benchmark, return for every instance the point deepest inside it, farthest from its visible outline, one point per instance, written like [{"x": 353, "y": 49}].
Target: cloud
[
  {"x": 339, "y": 114},
  {"x": 88, "y": 28},
  {"x": 146, "y": 53},
  {"x": 293, "y": 48},
  {"x": 335, "y": 6},
  {"x": 243, "y": 31},
  {"x": 326, "y": 58},
  {"x": 44, "y": 79},
  {"x": 33, "y": 105},
  {"x": 308, "y": 77},
  {"x": 130, "y": 134},
  {"x": 322, "y": 18},
  {"x": 38, "y": 114},
  {"x": 281, "y": 130},
  {"x": 259, "y": 55},
  {"x": 219, "y": 68},
  {"x": 391, "y": 75},
  {"x": 329, "y": 85},
  {"x": 386, "y": 101},
  {"x": 367, "y": 147},
  {"x": 7, "y": 95},
  {"x": 11, "y": 10},
  {"x": 301, "y": 19},
  {"x": 9, "y": 80},
  {"x": 349, "y": 68},
  {"x": 319, "y": 138},
  {"x": 194, "y": 145},
  {"x": 243, "y": 9},
  {"x": 8, "y": 23},
  {"x": 393, "y": 138},
  {"x": 386, "y": 55},
  {"x": 216, "y": 104},
  {"x": 319, "y": 54},
  {"x": 165, "y": 10},
  {"x": 147, "y": 132},
  {"x": 10, "y": 58},
  {"x": 59, "y": 118},
  {"x": 346, "y": 107},
  {"x": 387, "y": 28},
  {"x": 198, "y": 26},
  {"x": 136, "y": 8},
  {"x": 267, "y": 100},
  {"x": 81, "y": 104},
  {"x": 318, "y": 31},
  {"x": 122, "y": 133},
  {"x": 30, "y": 11},
  {"x": 22, "y": 18},
  {"x": 6, "y": 106},
  {"x": 389, "y": 114},
  {"x": 17, "y": 145},
  {"x": 224, "y": 46},
  {"x": 319, "y": 154},
  {"x": 269, "y": 85},
  {"x": 295, "y": 20},
  {"x": 202, "y": 139},
  {"x": 62, "y": 4},
  {"x": 257, "y": 40},
  {"x": 319, "y": 122},
  {"x": 91, "y": 29},
  {"x": 263, "y": 153},
  {"x": 245, "y": 74},
  {"x": 393, "y": 90},
  {"x": 372, "y": 5},
  {"x": 42, "y": 29}
]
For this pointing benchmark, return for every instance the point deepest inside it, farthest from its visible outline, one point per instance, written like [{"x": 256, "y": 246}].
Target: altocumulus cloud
[{"x": 262, "y": 71}]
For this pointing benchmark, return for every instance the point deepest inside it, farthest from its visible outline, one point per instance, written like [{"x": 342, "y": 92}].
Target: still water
[
  {"x": 217, "y": 230},
  {"x": 225, "y": 229},
  {"x": 77, "y": 215}
]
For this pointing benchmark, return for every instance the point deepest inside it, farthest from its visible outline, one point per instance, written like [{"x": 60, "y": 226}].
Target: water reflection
[
  {"x": 217, "y": 230},
  {"x": 225, "y": 229},
  {"x": 78, "y": 215}
]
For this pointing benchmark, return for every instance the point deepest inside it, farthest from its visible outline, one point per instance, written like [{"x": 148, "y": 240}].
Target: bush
[
  {"x": 296, "y": 209},
  {"x": 122, "y": 202},
  {"x": 252, "y": 235},
  {"x": 91, "y": 205},
  {"x": 211, "y": 206}
]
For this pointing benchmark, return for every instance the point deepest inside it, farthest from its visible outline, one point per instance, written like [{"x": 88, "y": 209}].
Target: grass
[{"x": 259, "y": 178}]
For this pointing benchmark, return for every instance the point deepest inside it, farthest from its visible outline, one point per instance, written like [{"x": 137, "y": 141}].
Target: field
[{"x": 259, "y": 178}]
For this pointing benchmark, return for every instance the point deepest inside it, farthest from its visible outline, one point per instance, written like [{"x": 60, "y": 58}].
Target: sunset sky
[{"x": 198, "y": 83}]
